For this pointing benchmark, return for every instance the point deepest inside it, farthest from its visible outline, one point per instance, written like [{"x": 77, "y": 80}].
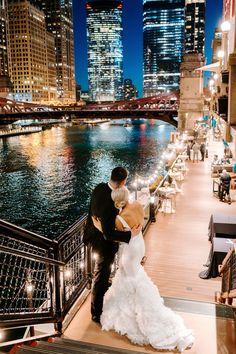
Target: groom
[{"x": 103, "y": 238}]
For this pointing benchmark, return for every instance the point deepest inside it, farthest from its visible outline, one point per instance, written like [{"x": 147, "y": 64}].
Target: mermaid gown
[{"x": 133, "y": 306}]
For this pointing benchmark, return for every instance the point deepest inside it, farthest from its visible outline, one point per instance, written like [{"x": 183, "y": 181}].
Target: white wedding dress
[{"x": 133, "y": 306}]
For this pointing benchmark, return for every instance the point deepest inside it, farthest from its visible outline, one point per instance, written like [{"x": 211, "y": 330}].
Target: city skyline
[{"x": 133, "y": 39}]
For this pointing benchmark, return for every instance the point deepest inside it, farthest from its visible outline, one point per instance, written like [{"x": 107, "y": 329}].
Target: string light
[
  {"x": 95, "y": 256},
  {"x": 167, "y": 155},
  {"x": 68, "y": 273},
  {"x": 29, "y": 288},
  {"x": 1, "y": 335}
]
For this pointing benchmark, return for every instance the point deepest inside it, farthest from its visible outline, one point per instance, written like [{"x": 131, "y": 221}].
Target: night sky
[{"x": 133, "y": 38}]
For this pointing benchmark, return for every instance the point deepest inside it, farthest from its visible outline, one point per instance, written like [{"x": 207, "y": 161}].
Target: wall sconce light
[
  {"x": 221, "y": 54},
  {"x": 225, "y": 26}
]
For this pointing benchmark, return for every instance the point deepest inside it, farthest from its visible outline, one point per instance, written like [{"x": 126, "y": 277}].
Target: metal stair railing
[
  {"x": 77, "y": 261},
  {"x": 27, "y": 277},
  {"x": 228, "y": 272},
  {"x": 40, "y": 279}
]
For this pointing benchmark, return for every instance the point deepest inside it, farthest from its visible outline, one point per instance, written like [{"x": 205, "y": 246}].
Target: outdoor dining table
[
  {"x": 222, "y": 225},
  {"x": 222, "y": 234},
  {"x": 177, "y": 175},
  {"x": 179, "y": 165},
  {"x": 165, "y": 192},
  {"x": 183, "y": 156},
  {"x": 219, "y": 249}
]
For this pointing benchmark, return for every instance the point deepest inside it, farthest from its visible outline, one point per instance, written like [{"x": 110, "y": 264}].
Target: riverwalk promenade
[{"x": 177, "y": 246}]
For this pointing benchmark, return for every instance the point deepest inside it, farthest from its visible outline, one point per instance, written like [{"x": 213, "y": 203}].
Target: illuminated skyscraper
[
  {"x": 32, "y": 68},
  {"x": 59, "y": 21},
  {"x": 3, "y": 38},
  {"x": 163, "y": 31},
  {"x": 5, "y": 83},
  {"x": 105, "y": 50},
  {"x": 195, "y": 26}
]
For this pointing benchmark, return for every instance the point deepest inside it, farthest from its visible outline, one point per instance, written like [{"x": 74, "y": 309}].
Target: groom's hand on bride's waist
[
  {"x": 97, "y": 223},
  {"x": 136, "y": 230}
]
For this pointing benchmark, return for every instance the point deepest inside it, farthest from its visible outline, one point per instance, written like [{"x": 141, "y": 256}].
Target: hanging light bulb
[
  {"x": 67, "y": 273},
  {"x": 95, "y": 256}
]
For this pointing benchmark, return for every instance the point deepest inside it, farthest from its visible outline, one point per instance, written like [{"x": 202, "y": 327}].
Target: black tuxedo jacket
[{"x": 102, "y": 206}]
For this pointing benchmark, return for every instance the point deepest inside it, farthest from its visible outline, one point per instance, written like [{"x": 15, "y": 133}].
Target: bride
[{"x": 132, "y": 305}]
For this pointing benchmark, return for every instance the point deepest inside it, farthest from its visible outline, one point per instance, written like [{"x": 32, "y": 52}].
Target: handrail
[
  {"x": 225, "y": 260},
  {"x": 66, "y": 234},
  {"x": 10, "y": 229},
  {"x": 228, "y": 272},
  {"x": 24, "y": 340},
  {"x": 33, "y": 257}
]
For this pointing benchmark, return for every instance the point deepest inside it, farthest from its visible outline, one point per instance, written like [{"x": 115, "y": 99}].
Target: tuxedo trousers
[{"x": 102, "y": 272}]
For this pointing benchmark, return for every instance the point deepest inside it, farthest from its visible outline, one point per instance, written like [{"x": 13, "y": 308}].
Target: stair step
[
  {"x": 96, "y": 347},
  {"x": 200, "y": 307},
  {"x": 67, "y": 346}
]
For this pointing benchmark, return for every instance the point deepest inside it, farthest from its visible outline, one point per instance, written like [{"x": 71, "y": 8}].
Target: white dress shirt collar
[{"x": 110, "y": 186}]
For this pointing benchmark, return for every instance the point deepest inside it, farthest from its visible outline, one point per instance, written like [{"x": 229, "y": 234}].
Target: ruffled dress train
[{"x": 134, "y": 307}]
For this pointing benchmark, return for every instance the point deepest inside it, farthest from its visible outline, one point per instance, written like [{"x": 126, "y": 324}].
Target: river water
[{"x": 47, "y": 177}]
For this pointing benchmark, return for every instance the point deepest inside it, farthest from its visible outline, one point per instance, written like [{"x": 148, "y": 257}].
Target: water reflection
[{"x": 47, "y": 177}]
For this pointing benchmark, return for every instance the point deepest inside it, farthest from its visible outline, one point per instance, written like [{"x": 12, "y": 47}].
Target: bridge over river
[{"x": 162, "y": 107}]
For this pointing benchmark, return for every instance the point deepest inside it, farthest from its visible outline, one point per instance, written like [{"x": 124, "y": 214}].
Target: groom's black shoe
[{"x": 96, "y": 319}]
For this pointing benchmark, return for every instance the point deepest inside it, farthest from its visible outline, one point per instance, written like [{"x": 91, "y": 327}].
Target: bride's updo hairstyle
[{"x": 120, "y": 196}]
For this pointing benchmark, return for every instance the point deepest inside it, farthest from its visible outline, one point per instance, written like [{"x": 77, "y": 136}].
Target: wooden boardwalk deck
[{"x": 177, "y": 246}]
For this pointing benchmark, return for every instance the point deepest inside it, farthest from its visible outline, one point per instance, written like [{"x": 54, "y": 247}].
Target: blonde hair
[{"x": 120, "y": 196}]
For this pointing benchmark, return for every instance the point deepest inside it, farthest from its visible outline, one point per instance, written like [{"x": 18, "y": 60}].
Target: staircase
[
  {"x": 67, "y": 346},
  {"x": 219, "y": 315}
]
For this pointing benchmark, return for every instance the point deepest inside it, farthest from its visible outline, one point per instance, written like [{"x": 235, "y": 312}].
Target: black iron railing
[
  {"x": 77, "y": 259},
  {"x": 39, "y": 278}
]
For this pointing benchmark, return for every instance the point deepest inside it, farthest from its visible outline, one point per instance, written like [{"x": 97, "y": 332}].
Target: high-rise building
[
  {"x": 5, "y": 83},
  {"x": 163, "y": 32},
  {"x": 32, "y": 68},
  {"x": 3, "y": 38},
  {"x": 195, "y": 26},
  {"x": 105, "y": 50},
  {"x": 130, "y": 91},
  {"x": 59, "y": 22}
]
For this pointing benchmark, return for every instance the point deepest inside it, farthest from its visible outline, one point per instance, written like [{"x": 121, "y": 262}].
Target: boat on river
[{"x": 90, "y": 122}]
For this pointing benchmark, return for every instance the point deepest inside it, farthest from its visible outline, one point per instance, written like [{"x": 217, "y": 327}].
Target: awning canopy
[{"x": 215, "y": 67}]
